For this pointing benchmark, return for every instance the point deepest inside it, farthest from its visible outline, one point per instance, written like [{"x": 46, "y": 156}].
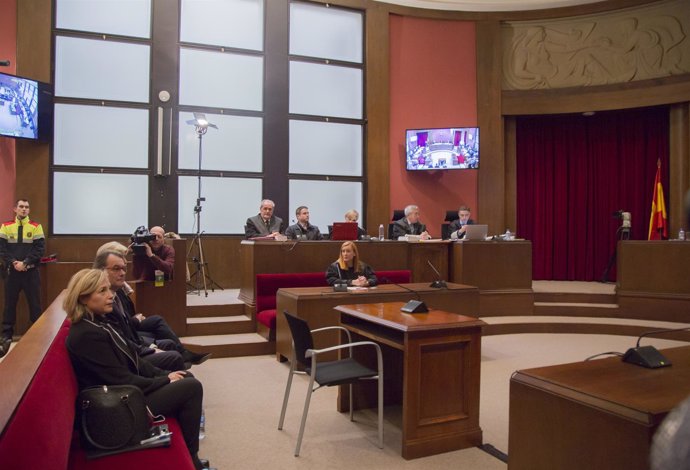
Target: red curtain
[{"x": 573, "y": 173}]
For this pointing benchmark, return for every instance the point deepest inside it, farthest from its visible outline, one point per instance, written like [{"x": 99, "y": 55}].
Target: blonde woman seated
[
  {"x": 353, "y": 216},
  {"x": 100, "y": 356},
  {"x": 350, "y": 269}
]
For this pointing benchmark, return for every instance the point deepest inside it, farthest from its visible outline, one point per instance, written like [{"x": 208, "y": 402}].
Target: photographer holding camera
[{"x": 151, "y": 254}]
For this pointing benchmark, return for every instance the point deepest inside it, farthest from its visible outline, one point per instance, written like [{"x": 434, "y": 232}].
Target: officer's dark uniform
[{"x": 21, "y": 240}]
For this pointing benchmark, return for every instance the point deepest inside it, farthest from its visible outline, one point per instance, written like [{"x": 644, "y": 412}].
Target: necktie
[
  {"x": 20, "y": 233},
  {"x": 119, "y": 307}
]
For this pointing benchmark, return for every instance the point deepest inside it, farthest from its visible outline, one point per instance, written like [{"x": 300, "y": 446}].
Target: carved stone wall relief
[{"x": 628, "y": 45}]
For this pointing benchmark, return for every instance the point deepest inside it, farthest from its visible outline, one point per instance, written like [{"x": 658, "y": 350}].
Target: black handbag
[{"x": 112, "y": 417}]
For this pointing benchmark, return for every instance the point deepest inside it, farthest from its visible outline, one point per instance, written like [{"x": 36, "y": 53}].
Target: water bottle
[
  {"x": 508, "y": 235},
  {"x": 202, "y": 426},
  {"x": 381, "y": 232},
  {"x": 681, "y": 234}
]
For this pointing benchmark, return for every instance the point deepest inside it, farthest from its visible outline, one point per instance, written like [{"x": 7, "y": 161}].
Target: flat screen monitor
[
  {"x": 344, "y": 231},
  {"x": 448, "y": 148},
  {"x": 26, "y": 108}
]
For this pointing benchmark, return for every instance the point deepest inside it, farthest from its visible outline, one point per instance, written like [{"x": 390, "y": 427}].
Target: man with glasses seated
[
  {"x": 165, "y": 351},
  {"x": 158, "y": 256}
]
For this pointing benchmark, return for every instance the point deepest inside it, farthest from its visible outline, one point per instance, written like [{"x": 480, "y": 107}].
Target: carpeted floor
[{"x": 243, "y": 398}]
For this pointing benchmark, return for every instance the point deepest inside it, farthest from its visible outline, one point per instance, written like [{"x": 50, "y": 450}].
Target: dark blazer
[
  {"x": 100, "y": 355},
  {"x": 335, "y": 273},
  {"x": 403, "y": 227},
  {"x": 125, "y": 324},
  {"x": 296, "y": 231},
  {"x": 255, "y": 226},
  {"x": 455, "y": 226}
]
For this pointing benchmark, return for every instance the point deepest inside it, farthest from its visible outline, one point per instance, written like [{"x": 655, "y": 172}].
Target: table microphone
[
  {"x": 649, "y": 356},
  {"x": 439, "y": 283},
  {"x": 412, "y": 306}
]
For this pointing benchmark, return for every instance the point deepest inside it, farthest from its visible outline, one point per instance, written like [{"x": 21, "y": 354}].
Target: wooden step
[
  {"x": 568, "y": 309},
  {"x": 222, "y": 325},
  {"x": 236, "y": 345},
  {"x": 201, "y": 311},
  {"x": 575, "y": 297}
]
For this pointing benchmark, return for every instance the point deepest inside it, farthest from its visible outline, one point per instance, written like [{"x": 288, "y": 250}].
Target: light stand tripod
[
  {"x": 201, "y": 274},
  {"x": 623, "y": 233}
]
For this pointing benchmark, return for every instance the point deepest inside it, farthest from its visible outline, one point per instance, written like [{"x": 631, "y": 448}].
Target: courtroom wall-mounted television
[
  {"x": 26, "y": 108},
  {"x": 448, "y": 148}
]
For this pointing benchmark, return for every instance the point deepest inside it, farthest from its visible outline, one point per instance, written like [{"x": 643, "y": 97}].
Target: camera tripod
[
  {"x": 623, "y": 233},
  {"x": 201, "y": 275}
]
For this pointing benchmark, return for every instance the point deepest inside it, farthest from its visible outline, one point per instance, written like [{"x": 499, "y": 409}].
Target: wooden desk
[
  {"x": 595, "y": 414},
  {"x": 170, "y": 300},
  {"x": 652, "y": 280},
  {"x": 315, "y": 305},
  {"x": 502, "y": 270},
  {"x": 431, "y": 367},
  {"x": 261, "y": 257}
]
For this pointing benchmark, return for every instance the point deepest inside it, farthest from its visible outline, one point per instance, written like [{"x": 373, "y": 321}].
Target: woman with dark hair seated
[
  {"x": 350, "y": 269},
  {"x": 100, "y": 356}
]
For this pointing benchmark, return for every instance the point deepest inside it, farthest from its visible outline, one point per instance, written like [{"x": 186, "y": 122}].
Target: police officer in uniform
[{"x": 22, "y": 245}]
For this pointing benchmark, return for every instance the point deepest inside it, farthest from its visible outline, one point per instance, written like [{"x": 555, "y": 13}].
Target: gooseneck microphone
[
  {"x": 439, "y": 283},
  {"x": 649, "y": 356},
  {"x": 412, "y": 306}
]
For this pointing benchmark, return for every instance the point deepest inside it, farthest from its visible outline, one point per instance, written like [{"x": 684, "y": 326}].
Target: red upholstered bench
[
  {"x": 39, "y": 435},
  {"x": 267, "y": 286}
]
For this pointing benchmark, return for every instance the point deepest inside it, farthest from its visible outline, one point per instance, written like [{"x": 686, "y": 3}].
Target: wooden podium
[{"x": 431, "y": 367}]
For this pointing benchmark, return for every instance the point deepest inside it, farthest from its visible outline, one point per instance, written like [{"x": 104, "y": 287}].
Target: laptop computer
[
  {"x": 476, "y": 232},
  {"x": 344, "y": 231}
]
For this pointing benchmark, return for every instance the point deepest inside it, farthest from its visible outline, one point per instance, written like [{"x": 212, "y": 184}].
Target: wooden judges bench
[{"x": 501, "y": 270}]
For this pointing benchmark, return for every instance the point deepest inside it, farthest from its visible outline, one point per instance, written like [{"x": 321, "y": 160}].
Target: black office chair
[
  {"x": 445, "y": 228},
  {"x": 397, "y": 215},
  {"x": 327, "y": 374}
]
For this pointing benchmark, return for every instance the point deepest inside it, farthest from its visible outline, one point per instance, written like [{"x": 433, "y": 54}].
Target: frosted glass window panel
[
  {"x": 330, "y": 33},
  {"x": 327, "y": 200},
  {"x": 325, "y": 90},
  {"x": 229, "y": 23},
  {"x": 323, "y": 148},
  {"x": 100, "y": 136},
  {"x": 106, "y": 70},
  {"x": 229, "y": 201},
  {"x": 235, "y": 146},
  {"x": 121, "y": 17},
  {"x": 99, "y": 204},
  {"x": 221, "y": 80}
]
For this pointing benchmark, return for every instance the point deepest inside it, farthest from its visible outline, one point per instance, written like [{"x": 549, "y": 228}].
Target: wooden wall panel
[{"x": 491, "y": 180}]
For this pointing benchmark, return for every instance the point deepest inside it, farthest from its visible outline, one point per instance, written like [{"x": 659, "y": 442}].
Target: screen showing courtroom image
[
  {"x": 453, "y": 148},
  {"x": 18, "y": 107}
]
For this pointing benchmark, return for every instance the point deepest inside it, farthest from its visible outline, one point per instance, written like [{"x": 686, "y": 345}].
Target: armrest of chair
[
  {"x": 313, "y": 353},
  {"x": 349, "y": 336}
]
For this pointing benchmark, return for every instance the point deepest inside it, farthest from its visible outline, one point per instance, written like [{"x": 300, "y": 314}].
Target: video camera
[
  {"x": 624, "y": 217},
  {"x": 139, "y": 239}
]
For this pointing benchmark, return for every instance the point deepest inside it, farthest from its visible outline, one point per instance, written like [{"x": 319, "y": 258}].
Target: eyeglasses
[{"x": 118, "y": 268}]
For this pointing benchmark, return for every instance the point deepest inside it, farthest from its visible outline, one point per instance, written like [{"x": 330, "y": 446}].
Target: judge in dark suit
[
  {"x": 264, "y": 224},
  {"x": 457, "y": 227},
  {"x": 410, "y": 225}
]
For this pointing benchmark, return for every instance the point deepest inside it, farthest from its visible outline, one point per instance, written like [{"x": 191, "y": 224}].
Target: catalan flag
[{"x": 658, "y": 224}]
